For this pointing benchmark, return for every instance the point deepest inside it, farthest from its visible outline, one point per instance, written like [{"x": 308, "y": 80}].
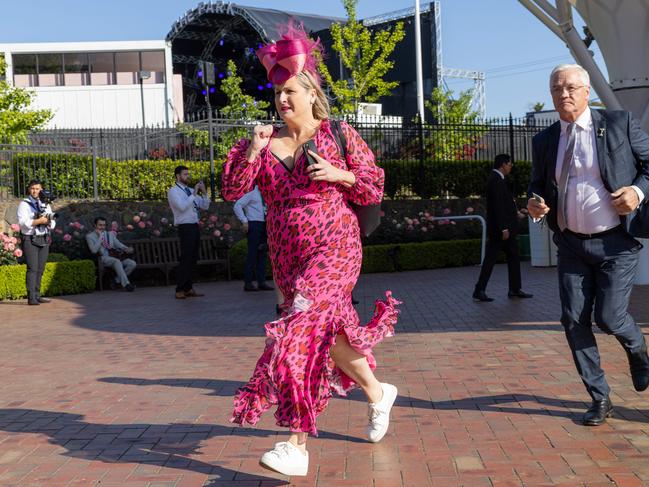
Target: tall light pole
[
  {"x": 142, "y": 75},
  {"x": 420, "y": 75}
]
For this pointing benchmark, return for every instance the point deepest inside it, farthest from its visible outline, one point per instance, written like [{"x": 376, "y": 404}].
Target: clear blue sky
[{"x": 499, "y": 37}]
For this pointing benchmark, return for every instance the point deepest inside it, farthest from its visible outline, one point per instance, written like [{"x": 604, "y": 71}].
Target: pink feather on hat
[{"x": 293, "y": 53}]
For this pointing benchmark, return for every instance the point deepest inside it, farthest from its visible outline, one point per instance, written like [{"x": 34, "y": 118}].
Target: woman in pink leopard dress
[{"x": 318, "y": 345}]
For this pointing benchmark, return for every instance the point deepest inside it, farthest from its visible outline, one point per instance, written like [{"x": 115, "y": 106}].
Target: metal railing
[{"x": 420, "y": 161}]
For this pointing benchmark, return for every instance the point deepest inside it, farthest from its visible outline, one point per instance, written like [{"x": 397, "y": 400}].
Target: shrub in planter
[{"x": 59, "y": 278}]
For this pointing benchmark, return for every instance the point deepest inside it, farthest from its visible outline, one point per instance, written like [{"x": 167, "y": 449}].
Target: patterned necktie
[{"x": 563, "y": 178}]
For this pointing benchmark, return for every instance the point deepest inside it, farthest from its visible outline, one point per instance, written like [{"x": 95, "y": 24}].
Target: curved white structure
[{"x": 620, "y": 28}]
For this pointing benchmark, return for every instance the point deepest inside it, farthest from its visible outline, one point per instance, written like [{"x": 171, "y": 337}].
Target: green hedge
[
  {"x": 59, "y": 278},
  {"x": 418, "y": 256},
  {"x": 455, "y": 178},
  {"x": 70, "y": 175},
  {"x": 393, "y": 257}
]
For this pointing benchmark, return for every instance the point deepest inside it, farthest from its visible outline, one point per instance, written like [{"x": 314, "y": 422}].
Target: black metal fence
[{"x": 445, "y": 159}]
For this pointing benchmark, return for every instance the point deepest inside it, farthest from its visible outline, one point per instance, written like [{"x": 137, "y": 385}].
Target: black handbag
[{"x": 369, "y": 216}]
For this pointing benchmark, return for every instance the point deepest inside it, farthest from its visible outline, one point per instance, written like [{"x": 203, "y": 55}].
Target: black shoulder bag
[{"x": 369, "y": 216}]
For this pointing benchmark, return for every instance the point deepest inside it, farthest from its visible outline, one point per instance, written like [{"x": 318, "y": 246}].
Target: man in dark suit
[
  {"x": 502, "y": 228},
  {"x": 590, "y": 174}
]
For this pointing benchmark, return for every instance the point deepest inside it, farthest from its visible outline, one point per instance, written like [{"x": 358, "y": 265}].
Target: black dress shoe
[
  {"x": 250, "y": 287},
  {"x": 639, "y": 366},
  {"x": 482, "y": 296},
  {"x": 598, "y": 412},
  {"x": 43, "y": 300},
  {"x": 519, "y": 294},
  {"x": 33, "y": 302},
  {"x": 265, "y": 287}
]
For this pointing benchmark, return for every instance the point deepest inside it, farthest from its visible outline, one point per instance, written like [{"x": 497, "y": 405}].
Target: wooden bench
[{"x": 164, "y": 254}]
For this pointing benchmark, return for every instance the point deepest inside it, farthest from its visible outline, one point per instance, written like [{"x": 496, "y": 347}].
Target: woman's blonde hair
[{"x": 321, "y": 104}]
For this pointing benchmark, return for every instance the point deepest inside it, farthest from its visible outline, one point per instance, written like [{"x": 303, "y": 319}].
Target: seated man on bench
[{"x": 112, "y": 253}]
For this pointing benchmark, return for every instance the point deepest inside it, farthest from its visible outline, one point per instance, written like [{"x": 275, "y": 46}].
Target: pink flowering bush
[
  {"x": 10, "y": 250},
  {"x": 425, "y": 226},
  {"x": 70, "y": 240}
]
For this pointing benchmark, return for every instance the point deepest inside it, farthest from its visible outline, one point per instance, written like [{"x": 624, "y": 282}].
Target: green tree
[
  {"x": 240, "y": 107},
  {"x": 16, "y": 119},
  {"x": 365, "y": 55},
  {"x": 461, "y": 132},
  {"x": 538, "y": 106}
]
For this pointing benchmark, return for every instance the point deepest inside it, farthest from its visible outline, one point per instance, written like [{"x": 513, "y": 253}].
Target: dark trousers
[
  {"x": 36, "y": 258},
  {"x": 257, "y": 251},
  {"x": 596, "y": 275},
  {"x": 190, "y": 241},
  {"x": 492, "y": 250}
]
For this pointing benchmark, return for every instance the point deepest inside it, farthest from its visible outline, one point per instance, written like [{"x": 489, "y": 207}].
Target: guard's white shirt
[
  {"x": 27, "y": 214},
  {"x": 589, "y": 207},
  {"x": 182, "y": 205},
  {"x": 250, "y": 207}
]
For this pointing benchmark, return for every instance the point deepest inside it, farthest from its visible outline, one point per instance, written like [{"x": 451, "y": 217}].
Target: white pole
[{"x": 420, "y": 77}]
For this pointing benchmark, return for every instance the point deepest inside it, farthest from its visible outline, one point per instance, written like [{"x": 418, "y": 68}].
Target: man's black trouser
[
  {"x": 257, "y": 250},
  {"x": 492, "y": 250},
  {"x": 36, "y": 258},
  {"x": 190, "y": 241},
  {"x": 595, "y": 280}
]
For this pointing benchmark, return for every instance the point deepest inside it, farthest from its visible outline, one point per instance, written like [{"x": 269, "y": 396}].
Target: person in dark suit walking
[
  {"x": 590, "y": 174},
  {"x": 502, "y": 228}
]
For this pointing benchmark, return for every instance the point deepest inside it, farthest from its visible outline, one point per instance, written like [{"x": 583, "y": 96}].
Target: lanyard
[
  {"x": 188, "y": 192},
  {"x": 34, "y": 204}
]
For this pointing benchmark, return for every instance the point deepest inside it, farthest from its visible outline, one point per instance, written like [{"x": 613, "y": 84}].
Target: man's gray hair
[{"x": 585, "y": 78}]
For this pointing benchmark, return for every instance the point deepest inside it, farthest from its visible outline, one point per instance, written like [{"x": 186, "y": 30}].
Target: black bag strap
[{"x": 339, "y": 136}]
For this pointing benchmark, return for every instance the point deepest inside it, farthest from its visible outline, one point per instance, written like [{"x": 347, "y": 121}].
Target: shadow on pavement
[
  {"x": 512, "y": 404},
  {"x": 168, "y": 445}
]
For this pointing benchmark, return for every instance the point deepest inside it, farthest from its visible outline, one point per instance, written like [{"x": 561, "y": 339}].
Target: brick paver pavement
[{"x": 119, "y": 389}]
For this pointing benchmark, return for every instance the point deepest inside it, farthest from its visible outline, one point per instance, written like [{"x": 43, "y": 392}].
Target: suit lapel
[
  {"x": 553, "y": 144},
  {"x": 599, "y": 125}
]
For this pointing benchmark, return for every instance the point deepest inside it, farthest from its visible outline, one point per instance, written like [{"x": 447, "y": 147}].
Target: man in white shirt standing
[
  {"x": 104, "y": 244},
  {"x": 590, "y": 174},
  {"x": 36, "y": 219},
  {"x": 251, "y": 212},
  {"x": 186, "y": 204}
]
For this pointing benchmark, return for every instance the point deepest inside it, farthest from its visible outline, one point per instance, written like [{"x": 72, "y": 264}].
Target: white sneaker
[
  {"x": 287, "y": 459},
  {"x": 379, "y": 414}
]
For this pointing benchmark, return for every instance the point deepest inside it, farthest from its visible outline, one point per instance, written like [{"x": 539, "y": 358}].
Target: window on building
[
  {"x": 24, "y": 67},
  {"x": 50, "y": 69},
  {"x": 75, "y": 69},
  {"x": 127, "y": 66},
  {"x": 102, "y": 68},
  {"x": 154, "y": 61}
]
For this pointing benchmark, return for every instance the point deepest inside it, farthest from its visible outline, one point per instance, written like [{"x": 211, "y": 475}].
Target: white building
[{"x": 99, "y": 84}]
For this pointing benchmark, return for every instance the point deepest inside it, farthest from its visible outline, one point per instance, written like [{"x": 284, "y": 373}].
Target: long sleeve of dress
[
  {"x": 239, "y": 174},
  {"x": 368, "y": 189}
]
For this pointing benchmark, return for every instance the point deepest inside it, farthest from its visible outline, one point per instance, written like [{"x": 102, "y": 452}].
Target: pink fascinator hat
[{"x": 293, "y": 53}]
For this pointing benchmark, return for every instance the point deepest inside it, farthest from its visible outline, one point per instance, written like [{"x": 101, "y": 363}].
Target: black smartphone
[{"x": 309, "y": 145}]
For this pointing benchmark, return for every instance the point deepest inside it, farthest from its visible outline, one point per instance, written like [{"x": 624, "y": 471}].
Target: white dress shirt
[
  {"x": 250, "y": 207},
  {"x": 186, "y": 208},
  {"x": 499, "y": 173},
  {"x": 589, "y": 207},
  {"x": 26, "y": 214}
]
